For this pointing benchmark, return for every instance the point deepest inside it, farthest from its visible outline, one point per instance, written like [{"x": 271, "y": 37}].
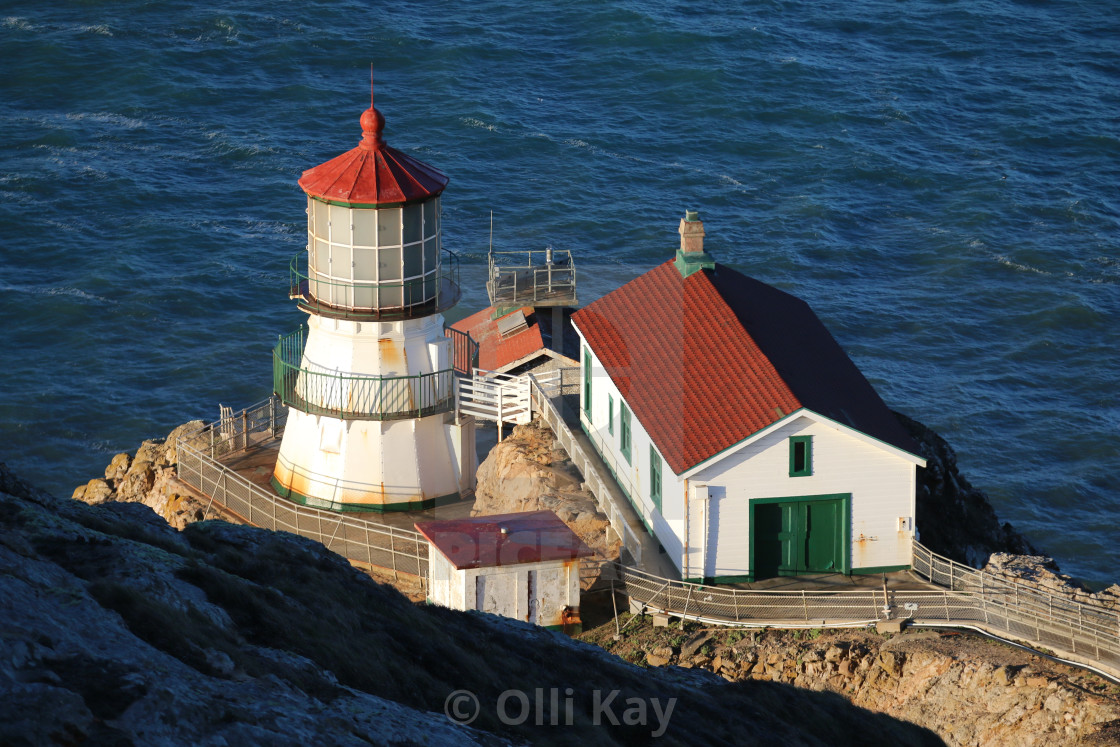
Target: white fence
[{"x": 494, "y": 396}]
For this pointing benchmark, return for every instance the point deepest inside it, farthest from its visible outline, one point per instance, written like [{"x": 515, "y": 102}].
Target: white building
[
  {"x": 742, "y": 433},
  {"x": 521, "y": 565},
  {"x": 372, "y": 421}
]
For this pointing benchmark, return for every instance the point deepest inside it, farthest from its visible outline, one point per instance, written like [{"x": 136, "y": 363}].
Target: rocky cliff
[
  {"x": 118, "y": 629},
  {"x": 148, "y": 477},
  {"x": 954, "y": 518},
  {"x": 969, "y": 690}
]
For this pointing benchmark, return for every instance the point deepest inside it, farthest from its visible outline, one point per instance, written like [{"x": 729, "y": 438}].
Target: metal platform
[{"x": 532, "y": 278}]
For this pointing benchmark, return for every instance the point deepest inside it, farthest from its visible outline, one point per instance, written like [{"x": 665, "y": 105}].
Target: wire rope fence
[
  {"x": 968, "y": 597},
  {"x": 355, "y": 538}
]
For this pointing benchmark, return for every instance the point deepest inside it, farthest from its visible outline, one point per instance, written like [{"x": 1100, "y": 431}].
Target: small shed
[{"x": 521, "y": 565}]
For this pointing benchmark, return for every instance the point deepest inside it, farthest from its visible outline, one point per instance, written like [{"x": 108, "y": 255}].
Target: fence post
[{"x": 804, "y": 606}]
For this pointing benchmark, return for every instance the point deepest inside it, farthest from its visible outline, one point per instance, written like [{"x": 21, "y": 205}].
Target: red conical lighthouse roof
[{"x": 373, "y": 173}]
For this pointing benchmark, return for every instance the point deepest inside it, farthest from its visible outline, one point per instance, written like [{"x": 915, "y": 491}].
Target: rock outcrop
[
  {"x": 954, "y": 518},
  {"x": 967, "y": 689},
  {"x": 148, "y": 477},
  {"x": 529, "y": 471},
  {"x": 117, "y": 629}
]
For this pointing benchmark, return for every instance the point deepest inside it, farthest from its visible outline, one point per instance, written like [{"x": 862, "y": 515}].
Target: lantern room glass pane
[
  {"x": 413, "y": 217},
  {"x": 389, "y": 227},
  {"x": 340, "y": 224},
  {"x": 319, "y": 224},
  {"x": 320, "y": 257},
  {"x": 391, "y": 296},
  {"x": 430, "y": 227},
  {"x": 365, "y": 296},
  {"x": 389, "y": 264},
  {"x": 431, "y": 252},
  {"x": 365, "y": 227},
  {"x": 413, "y": 256},
  {"x": 340, "y": 262},
  {"x": 365, "y": 265}
]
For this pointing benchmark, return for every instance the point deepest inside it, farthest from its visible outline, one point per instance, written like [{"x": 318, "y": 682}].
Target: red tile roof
[
  {"x": 480, "y": 542},
  {"x": 493, "y": 351},
  {"x": 373, "y": 173},
  {"x": 706, "y": 361}
]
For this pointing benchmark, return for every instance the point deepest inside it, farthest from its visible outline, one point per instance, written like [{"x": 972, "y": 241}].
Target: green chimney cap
[{"x": 692, "y": 215}]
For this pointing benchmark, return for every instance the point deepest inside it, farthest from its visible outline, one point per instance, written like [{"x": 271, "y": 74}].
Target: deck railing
[
  {"x": 1085, "y": 633},
  {"x": 368, "y": 542},
  {"x": 350, "y": 396},
  {"x": 532, "y": 278}
]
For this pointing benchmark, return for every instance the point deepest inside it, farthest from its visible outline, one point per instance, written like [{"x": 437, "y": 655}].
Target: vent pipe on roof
[{"x": 691, "y": 256}]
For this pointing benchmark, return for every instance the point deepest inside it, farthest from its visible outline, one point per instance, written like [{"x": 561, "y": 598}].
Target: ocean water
[{"x": 939, "y": 179}]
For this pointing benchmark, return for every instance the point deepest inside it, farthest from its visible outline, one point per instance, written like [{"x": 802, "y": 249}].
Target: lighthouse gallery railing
[{"x": 350, "y": 396}]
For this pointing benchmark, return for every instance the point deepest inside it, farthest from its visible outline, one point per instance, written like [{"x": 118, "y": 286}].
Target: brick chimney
[{"x": 691, "y": 256}]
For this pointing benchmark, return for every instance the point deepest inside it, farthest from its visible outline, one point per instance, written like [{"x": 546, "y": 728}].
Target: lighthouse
[{"x": 370, "y": 379}]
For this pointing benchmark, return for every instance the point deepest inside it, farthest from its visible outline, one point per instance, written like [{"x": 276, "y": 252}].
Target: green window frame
[
  {"x": 610, "y": 414},
  {"x": 800, "y": 456},
  {"x": 624, "y": 429},
  {"x": 655, "y": 477},
  {"x": 587, "y": 382}
]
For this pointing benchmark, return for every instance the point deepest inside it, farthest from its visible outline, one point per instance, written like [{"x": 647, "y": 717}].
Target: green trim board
[
  {"x": 799, "y": 412},
  {"x": 367, "y": 508},
  {"x": 375, "y": 205},
  {"x": 800, "y": 456},
  {"x": 610, "y": 414},
  {"x": 655, "y": 477},
  {"x": 796, "y": 535},
  {"x": 637, "y": 509},
  {"x": 624, "y": 437},
  {"x": 587, "y": 381}
]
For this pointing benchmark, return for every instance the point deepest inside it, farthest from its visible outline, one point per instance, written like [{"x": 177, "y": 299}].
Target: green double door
[{"x": 800, "y": 535}]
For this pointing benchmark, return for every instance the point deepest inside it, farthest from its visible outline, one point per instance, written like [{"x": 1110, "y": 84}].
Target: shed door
[{"x": 799, "y": 536}]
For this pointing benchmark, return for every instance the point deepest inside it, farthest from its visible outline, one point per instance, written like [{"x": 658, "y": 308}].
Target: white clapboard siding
[{"x": 880, "y": 483}]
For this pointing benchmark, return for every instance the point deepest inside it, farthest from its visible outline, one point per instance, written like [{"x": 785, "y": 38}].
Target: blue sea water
[{"x": 939, "y": 179}]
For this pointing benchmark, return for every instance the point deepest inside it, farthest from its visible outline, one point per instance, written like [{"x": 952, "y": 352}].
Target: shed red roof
[
  {"x": 480, "y": 542},
  {"x": 705, "y": 361},
  {"x": 373, "y": 173},
  {"x": 495, "y": 352}
]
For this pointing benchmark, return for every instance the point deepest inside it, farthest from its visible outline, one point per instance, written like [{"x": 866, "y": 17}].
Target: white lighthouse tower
[{"x": 372, "y": 422}]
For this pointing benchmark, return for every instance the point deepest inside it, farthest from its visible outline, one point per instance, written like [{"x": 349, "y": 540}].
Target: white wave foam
[
  {"x": 472, "y": 122},
  {"x": 74, "y": 293},
  {"x": 1008, "y": 262},
  {"x": 15, "y": 22},
  {"x": 100, "y": 29},
  {"x": 110, "y": 118}
]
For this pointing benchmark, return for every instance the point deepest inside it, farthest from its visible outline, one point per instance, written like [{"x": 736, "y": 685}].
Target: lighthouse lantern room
[{"x": 372, "y": 422}]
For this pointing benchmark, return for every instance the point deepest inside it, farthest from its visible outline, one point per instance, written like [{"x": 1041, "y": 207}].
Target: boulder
[
  {"x": 117, "y": 468},
  {"x": 528, "y": 471}
]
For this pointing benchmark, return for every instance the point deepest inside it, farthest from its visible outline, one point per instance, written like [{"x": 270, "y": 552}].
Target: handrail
[
  {"x": 398, "y": 550},
  {"x": 348, "y": 396},
  {"x": 464, "y": 351},
  {"x": 438, "y": 289}
]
